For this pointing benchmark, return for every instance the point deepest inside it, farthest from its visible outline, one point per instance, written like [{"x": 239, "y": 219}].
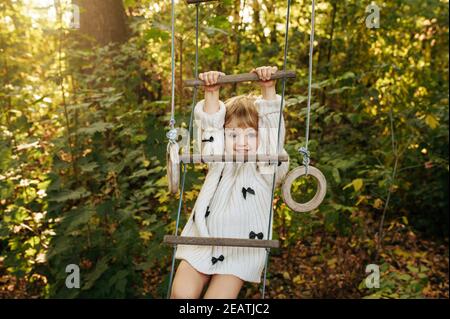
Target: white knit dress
[{"x": 235, "y": 199}]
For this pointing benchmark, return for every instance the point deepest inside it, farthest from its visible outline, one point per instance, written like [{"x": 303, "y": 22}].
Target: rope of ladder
[
  {"x": 286, "y": 43},
  {"x": 304, "y": 150},
  {"x": 180, "y": 202}
]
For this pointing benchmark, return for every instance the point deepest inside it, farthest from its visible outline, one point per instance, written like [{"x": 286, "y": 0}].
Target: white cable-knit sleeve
[
  {"x": 209, "y": 140},
  {"x": 269, "y": 117},
  {"x": 210, "y": 129}
]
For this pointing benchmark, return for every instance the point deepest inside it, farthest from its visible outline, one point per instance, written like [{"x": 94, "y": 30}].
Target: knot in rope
[
  {"x": 172, "y": 135},
  {"x": 305, "y": 153}
]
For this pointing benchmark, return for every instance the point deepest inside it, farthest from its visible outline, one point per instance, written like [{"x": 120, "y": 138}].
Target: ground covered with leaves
[{"x": 325, "y": 265}]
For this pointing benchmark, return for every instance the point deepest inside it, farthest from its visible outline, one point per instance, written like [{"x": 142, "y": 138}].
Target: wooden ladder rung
[
  {"x": 198, "y": 1},
  {"x": 217, "y": 241},
  {"x": 222, "y": 158},
  {"x": 244, "y": 77}
]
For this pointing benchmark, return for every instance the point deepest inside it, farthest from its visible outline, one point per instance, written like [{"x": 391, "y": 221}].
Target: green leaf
[
  {"x": 77, "y": 217},
  {"x": 431, "y": 121},
  {"x": 340, "y": 90},
  {"x": 356, "y": 183},
  {"x": 129, "y": 3},
  {"x": 346, "y": 75},
  {"x": 118, "y": 281},
  {"x": 100, "y": 268},
  {"x": 336, "y": 175},
  {"x": 59, "y": 245},
  {"x": 70, "y": 195},
  {"x": 95, "y": 127},
  {"x": 212, "y": 30},
  {"x": 412, "y": 269},
  {"x": 156, "y": 34},
  {"x": 89, "y": 167},
  {"x": 213, "y": 53},
  {"x": 404, "y": 277},
  {"x": 139, "y": 173},
  {"x": 80, "y": 106}
]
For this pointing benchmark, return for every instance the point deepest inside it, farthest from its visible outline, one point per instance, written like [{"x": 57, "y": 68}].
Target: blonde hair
[{"x": 242, "y": 110}]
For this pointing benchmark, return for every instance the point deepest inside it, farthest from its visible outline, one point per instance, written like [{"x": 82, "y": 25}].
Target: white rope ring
[
  {"x": 318, "y": 197},
  {"x": 173, "y": 167}
]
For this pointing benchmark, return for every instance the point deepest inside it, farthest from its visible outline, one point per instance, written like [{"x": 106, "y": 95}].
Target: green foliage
[
  {"x": 82, "y": 134},
  {"x": 396, "y": 284},
  {"x": 102, "y": 202}
]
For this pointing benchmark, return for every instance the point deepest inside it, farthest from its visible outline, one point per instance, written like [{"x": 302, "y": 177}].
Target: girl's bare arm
[
  {"x": 269, "y": 108},
  {"x": 211, "y": 90},
  {"x": 268, "y": 87}
]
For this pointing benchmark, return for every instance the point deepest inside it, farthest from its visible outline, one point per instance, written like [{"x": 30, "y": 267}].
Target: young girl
[{"x": 235, "y": 199}]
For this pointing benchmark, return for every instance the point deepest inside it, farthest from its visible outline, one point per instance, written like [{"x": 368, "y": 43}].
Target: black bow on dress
[
  {"x": 247, "y": 190},
  {"x": 211, "y": 139},
  {"x": 214, "y": 259},
  {"x": 206, "y": 215},
  {"x": 253, "y": 235}
]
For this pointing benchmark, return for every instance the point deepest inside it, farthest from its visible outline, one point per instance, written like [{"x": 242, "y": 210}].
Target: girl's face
[{"x": 240, "y": 141}]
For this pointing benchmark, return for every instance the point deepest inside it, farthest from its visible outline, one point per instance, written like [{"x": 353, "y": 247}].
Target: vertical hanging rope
[
  {"x": 286, "y": 43},
  {"x": 172, "y": 117},
  {"x": 172, "y": 135},
  {"x": 304, "y": 150},
  {"x": 183, "y": 180}
]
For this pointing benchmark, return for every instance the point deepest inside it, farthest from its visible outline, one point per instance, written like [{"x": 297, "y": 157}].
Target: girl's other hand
[
  {"x": 265, "y": 73},
  {"x": 210, "y": 78}
]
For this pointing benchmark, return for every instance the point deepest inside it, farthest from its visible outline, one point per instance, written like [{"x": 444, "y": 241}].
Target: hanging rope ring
[
  {"x": 173, "y": 167},
  {"x": 318, "y": 197}
]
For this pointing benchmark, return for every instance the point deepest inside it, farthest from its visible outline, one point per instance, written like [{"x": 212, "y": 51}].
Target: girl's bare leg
[
  {"x": 188, "y": 282},
  {"x": 223, "y": 287}
]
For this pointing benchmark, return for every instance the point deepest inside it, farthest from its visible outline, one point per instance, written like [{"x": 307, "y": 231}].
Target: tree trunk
[
  {"x": 103, "y": 20},
  {"x": 257, "y": 22},
  {"x": 330, "y": 44},
  {"x": 236, "y": 35},
  {"x": 272, "y": 20},
  {"x": 330, "y": 48},
  {"x": 237, "y": 26}
]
